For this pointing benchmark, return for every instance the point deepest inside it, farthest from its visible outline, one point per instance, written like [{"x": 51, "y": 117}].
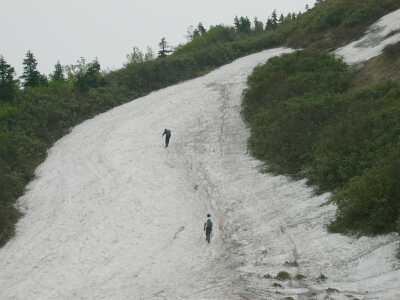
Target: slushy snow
[{"x": 115, "y": 215}]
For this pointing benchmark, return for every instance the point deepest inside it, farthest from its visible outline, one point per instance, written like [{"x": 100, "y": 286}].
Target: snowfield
[
  {"x": 115, "y": 215},
  {"x": 383, "y": 33}
]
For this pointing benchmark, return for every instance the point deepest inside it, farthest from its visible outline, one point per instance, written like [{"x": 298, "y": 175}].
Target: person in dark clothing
[
  {"x": 208, "y": 228},
  {"x": 167, "y": 134}
]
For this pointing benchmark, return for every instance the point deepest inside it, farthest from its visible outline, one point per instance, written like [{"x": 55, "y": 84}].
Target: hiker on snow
[
  {"x": 208, "y": 228},
  {"x": 167, "y": 134}
]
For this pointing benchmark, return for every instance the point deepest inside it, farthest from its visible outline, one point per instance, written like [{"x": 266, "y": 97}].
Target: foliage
[
  {"x": 392, "y": 50},
  {"x": 283, "y": 276},
  {"x": 307, "y": 119},
  {"x": 58, "y": 74},
  {"x": 291, "y": 93},
  {"x": 332, "y": 23},
  {"x": 31, "y": 76},
  {"x": 8, "y": 85}
]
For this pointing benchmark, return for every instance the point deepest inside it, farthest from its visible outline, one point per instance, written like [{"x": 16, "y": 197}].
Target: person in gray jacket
[{"x": 208, "y": 228}]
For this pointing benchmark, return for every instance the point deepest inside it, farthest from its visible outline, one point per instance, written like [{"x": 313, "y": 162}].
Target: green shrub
[
  {"x": 287, "y": 101},
  {"x": 392, "y": 50},
  {"x": 306, "y": 119},
  {"x": 283, "y": 276},
  {"x": 370, "y": 203}
]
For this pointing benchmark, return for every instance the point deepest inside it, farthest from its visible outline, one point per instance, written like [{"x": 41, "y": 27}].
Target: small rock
[
  {"x": 291, "y": 264},
  {"x": 299, "y": 277},
  {"x": 322, "y": 277},
  {"x": 276, "y": 285},
  {"x": 331, "y": 290}
]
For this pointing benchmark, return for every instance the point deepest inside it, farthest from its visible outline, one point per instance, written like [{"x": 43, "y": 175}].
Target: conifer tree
[
  {"x": 245, "y": 24},
  {"x": 195, "y": 34},
  {"x": 201, "y": 29},
  {"x": 149, "y": 55},
  {"x": 242, "y": 24},
  {"x": 163, "y": 48},
  {"x": 236, "y": 22},
  {"x": 58, "y": 74},
  {"x": 135, "y": 57},
  {"x": 281, "y": 19},
  {"x": 88, "y": 75},
  {"x": 269, "y": 25},
  {"x": 8, "y": 86},
  {"x": 258, "y": 25},
  {"x": 274, "y": 19},
  {"x": 31, "y": 76}
]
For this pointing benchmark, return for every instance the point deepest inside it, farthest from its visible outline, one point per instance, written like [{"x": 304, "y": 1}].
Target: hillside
[
  {"x": 31, "y": 120},
  {"x": 111, "y": 214},
  {"x": 313, "y": 116},
  {"x": 114, "y": 215}
]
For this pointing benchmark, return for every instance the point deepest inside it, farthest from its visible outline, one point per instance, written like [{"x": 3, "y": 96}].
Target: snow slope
[
  {"x": 384, "y": 32},
  {"x": 114, "y": 215}
]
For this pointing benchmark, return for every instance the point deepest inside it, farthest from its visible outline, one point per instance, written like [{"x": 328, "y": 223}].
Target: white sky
[{"x": 67, "y": 30}]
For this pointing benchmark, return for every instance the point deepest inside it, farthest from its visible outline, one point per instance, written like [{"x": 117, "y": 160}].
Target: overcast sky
[{"x": 66, "y": 30}]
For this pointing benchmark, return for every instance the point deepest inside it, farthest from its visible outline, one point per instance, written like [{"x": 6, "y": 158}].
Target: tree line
[{"x": 85, "y": 75}]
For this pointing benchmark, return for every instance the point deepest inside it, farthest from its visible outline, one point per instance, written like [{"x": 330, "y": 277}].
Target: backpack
[{"x": 209, "y": 224}]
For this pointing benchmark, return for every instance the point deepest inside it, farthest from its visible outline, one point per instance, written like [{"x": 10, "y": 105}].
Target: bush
[
  {"x": 287, "y": 101},
  {"x": 283, "y": 276},
  {"x": 392, "y": 50},
  {"x": 370, "y": 203},
  {"x": 306, "y": 119}
]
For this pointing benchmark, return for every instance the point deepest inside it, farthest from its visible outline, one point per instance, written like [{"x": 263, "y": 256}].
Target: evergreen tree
[
  {"x": 281, "y": 19},
  {"x": 242, "y": 24},
  {"x": 8, "y": 86},
  {"x": 88, "y": 75},
  {"x": 190, "y": 33},
  {"x": 58, "y": 74},
  {"x": 31, "y": 76},
  {"x": 135, "y": 57},
  {"x": 236, "y": 23},
  {"x": 269, "y": 25},
  {"x": 274, "y": 19},
  {"x": 201, "y": 29},
  {"x": 245, "y": 24},
  {"x": 149, "y": 55},
  {"x": 195, "y": 33},
  {"x": 163, "y": 48},
  {"x": 258, "y": 25}
]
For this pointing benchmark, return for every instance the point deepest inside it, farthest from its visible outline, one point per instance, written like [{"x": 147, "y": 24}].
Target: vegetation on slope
[
  {"x": 333, "y": 23},
  {"x": 310, "y": 117}
]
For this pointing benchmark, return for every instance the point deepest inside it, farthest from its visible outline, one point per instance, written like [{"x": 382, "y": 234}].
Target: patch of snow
[{"x": 384, "y": 32}]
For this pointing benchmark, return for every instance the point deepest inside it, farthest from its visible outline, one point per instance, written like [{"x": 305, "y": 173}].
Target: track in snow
[{"x": 114, "y": 215}]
